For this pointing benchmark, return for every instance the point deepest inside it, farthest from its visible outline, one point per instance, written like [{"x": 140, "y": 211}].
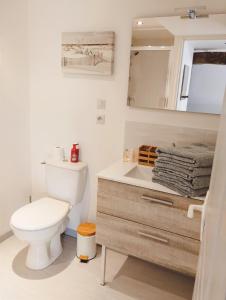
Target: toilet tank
[{"x": 65, "y": 180}]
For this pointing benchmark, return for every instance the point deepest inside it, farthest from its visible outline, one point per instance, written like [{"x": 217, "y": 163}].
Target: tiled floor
[{"x": 68, "y": 279}]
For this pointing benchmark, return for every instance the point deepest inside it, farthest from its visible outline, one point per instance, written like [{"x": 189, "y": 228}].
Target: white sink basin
[{"x": 140, "y": 172}]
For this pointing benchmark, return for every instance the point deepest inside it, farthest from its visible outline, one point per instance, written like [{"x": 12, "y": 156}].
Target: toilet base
[{"x": 41, "y": 253}]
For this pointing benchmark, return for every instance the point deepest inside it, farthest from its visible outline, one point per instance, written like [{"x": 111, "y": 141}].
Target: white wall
[
  {"x": 208, "y": 83},
  {"x": 14, "y": 121},
  {"x": 63, "y": 107}
]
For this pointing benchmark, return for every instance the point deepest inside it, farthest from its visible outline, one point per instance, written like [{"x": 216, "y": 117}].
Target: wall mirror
[{"x": 178, "y": 63}]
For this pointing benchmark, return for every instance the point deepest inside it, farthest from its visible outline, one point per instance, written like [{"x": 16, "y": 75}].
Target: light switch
[
  {"x": 100, "y": 119},
  {"x": 101, "y": 104}
]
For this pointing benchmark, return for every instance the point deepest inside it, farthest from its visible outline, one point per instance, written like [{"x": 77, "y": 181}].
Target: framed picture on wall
[{"x": 88, "y": 52}]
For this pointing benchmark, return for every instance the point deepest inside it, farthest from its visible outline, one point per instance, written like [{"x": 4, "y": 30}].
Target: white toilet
[{"x": 41, "y": 222}]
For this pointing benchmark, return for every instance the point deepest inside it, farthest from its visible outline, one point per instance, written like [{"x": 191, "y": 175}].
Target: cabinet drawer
[
  {"x": 158, "y": 246},
  {"x": 148, "y": 207}
]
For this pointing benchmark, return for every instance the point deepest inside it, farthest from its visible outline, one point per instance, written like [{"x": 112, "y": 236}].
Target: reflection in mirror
[
  {"x": 178, "y": 64},
  {"x": 203, "y": 72},
  {"x": 148, "y": 77}
]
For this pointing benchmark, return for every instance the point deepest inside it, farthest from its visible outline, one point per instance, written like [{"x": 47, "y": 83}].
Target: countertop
[{"x": 119, "y": 170}]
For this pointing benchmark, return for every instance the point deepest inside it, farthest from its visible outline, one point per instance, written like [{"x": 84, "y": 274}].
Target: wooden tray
[{"x": 147, "y": 155}]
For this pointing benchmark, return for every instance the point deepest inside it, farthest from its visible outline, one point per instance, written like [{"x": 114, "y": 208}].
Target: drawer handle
[
  {"x": 158, "y": 201},
  {"x": 154, "y": 237}
]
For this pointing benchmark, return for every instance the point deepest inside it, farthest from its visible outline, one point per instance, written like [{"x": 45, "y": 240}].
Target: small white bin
[{"x": 86, "y": 241}]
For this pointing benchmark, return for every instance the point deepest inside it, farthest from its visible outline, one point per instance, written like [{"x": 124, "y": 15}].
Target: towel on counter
[
  {"x": 193, "y": 183},
  {"x": 180, "y": 170},
  {"x": 186, "y": 169},
  {"x": 184, "y": 191},
  {"x": 188, "y": 156}
]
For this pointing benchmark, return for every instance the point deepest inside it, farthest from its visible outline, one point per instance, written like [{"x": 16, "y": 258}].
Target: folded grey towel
[
  {"x": 194, "y": 183},
  {"x": 188, "y": 192},
  {"x": 195, "y": 156},
  {"x": 185, "y": 172},
  {"x": 185, "y": 165}
]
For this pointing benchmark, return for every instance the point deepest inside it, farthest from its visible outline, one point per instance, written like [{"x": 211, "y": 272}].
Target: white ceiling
[
  {"x": 213, "y": 25},
  {"x": 158, "y": 34}
]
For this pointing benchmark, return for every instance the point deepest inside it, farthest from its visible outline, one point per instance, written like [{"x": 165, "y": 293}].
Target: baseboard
[
  {"x": 6, "y": 236},
  {"x": 71, "y": 232}
]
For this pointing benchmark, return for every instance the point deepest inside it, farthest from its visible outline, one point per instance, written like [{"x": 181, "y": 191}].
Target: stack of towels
[{"x": 186, "y": 170}]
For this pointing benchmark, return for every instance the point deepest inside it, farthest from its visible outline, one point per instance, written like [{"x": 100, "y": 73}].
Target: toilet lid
[{"x": 40, "y": 214}]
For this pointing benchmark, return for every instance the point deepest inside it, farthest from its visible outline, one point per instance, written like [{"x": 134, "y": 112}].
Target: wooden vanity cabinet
[{"x": 148, "y": 224}]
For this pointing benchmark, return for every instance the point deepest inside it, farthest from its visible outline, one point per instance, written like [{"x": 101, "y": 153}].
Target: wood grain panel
[
  {"x": 166, "y": 249},
  {"x": 216, "y": 58},
  {"x": 143, "y": 206}
]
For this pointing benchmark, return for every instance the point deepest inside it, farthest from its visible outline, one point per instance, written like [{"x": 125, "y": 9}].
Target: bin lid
[{"x": 87, "y": 229}]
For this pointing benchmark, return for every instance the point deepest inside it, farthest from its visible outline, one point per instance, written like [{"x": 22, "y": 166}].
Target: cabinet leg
[{"x": 103, "y": 265}]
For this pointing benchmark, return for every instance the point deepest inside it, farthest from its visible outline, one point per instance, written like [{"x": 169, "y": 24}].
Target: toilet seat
[{"x": 40, "y": 214}]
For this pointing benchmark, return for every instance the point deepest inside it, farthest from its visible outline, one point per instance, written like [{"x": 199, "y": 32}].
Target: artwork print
[{"x": 88, "y": 52}]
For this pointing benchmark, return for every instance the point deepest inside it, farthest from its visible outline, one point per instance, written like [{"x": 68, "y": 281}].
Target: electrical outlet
[{"x": 100, "y": 119}]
